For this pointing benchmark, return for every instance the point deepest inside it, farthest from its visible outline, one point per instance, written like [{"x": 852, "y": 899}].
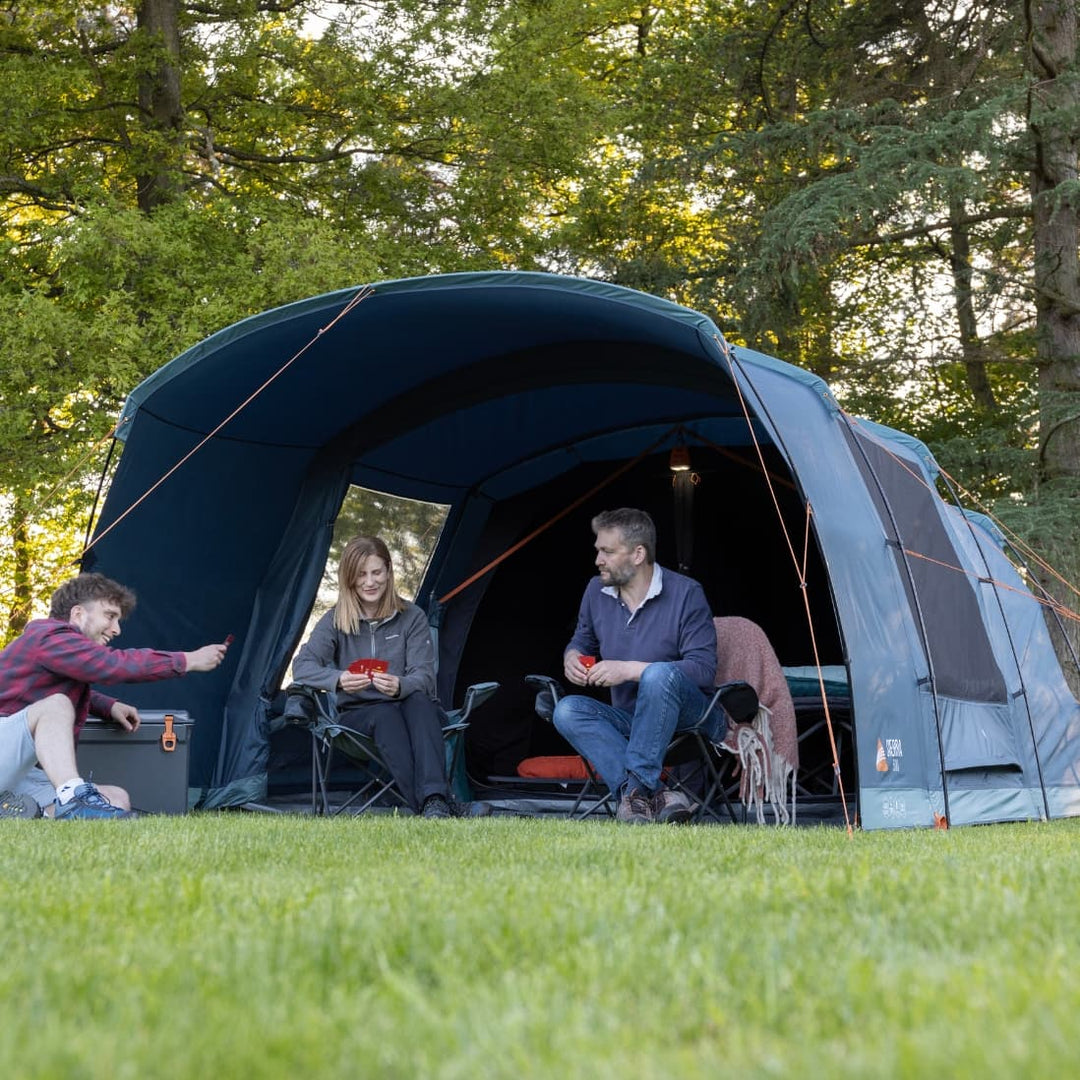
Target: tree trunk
[
  {"x": 960, "y": 263},
  {"x": 1052, "y": 108},
  {"x": 159, "y": 101},
  {"x": 22, "y": 598}
]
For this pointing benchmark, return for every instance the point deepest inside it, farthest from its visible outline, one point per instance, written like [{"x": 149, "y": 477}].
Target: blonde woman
[{"x": 396, "y": 707}]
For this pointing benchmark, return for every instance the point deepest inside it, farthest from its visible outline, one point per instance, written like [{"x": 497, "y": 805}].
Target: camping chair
[
  {"x": 689, "y": 744},
  {"x": 549, "y": 691},
  {"x": 316, "y": 710},
  {"x": 739, "y": 701},
  {"x": 760, "y": 735}
]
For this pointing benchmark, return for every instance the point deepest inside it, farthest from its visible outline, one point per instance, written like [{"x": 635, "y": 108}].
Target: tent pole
[{"x": 97, "y": 495}]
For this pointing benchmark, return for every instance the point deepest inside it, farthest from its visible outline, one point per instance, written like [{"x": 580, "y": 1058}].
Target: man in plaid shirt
[{"x": 45, "y": 697}]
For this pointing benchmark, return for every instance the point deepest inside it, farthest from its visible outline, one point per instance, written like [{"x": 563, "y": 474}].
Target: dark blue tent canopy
[
  {"x": 478, "y": 385},
  {"x": 506, "y": 396}
]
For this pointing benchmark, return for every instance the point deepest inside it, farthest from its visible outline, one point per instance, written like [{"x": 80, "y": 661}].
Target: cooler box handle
[{"x": 168, "y": 736}]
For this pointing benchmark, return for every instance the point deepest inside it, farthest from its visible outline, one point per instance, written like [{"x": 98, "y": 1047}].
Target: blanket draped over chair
[{"x": 767, "y": 748}]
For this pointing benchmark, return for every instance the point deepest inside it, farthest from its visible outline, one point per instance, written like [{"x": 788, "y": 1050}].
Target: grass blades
[{"x": 233, "y": 945}]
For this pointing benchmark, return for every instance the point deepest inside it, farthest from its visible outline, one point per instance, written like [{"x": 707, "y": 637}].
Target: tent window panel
[
  {"x": 978, "y": 736},
  {"x": 981, "y": 779},
  {"x": 410, "y": 528},
  {"x": 960, "y": 652}
]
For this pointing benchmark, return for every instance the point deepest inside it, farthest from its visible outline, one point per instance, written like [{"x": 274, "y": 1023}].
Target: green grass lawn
[{"x": 241, "y": 946}]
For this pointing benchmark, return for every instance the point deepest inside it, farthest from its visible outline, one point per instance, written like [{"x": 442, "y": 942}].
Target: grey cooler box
[{"x": 151, "y": 764}]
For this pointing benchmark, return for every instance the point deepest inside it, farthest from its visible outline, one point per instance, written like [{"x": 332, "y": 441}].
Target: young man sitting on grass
[{"x": 45, "y": 698}]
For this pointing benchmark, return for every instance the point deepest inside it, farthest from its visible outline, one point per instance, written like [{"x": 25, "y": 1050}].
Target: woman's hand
[
  {"x": 352, "y": 682},
  {"x": 387, "y": 684}
]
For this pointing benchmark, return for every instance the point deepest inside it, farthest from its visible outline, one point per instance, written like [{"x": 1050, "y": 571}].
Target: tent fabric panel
[
  {"x": 884, "y": 651},
  {"x": 621, "y": 446},
  {"x": 381, "y": 470},
  {"x": 940, "y": 593},
  {"x": 473, "y": 442},
  {"x": 193, "y": 562},
  {"x": 900, "y": 442},
  {"x": 1046, "y": 715},
  {"x": 1064, "y": 799},
  {"x": 899, "y": 806},
  {"x": 282, "y": 602},
  {"x": 987, "y": 802},
  {"x": 750, "y": 361},
  {"x": 402, "y": 339}
]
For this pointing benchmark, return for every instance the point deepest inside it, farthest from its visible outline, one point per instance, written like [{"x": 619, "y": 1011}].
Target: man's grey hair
[{"x": 635, "y": 526}]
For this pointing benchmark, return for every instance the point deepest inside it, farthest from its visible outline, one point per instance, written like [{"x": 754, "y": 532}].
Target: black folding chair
[
  {"x": 316, "y": 711},
  {"x": 738, "y": 700},
  {"x": 549, "y": 692}
]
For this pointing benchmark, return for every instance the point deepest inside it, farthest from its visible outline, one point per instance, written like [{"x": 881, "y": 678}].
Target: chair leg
[
  {"x": 592, "y": 782},
  {"x": 380, "y": 786},
  {"x": 715, "y": 782},
  {"x": 320, "y": 768}
]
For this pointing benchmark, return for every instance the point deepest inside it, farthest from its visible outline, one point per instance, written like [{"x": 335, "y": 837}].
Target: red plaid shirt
[{"x": 53, "y": 657}]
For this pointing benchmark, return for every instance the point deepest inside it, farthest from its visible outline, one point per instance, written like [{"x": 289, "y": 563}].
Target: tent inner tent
[{"x": 527, "y": 402}]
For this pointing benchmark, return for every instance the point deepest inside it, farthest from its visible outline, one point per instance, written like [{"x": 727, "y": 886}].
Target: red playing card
[{"x": 368, "y": 665}]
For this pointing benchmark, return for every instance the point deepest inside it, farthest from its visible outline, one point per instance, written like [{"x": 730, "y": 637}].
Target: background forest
[{"x": 883, "y": 193}]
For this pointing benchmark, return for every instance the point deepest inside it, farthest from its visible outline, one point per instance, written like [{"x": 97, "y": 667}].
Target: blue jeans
[{"x": 629, "y": 747}]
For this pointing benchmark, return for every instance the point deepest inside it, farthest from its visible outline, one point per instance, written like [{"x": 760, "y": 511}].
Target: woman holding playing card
[{"x": 373, "y": 650}]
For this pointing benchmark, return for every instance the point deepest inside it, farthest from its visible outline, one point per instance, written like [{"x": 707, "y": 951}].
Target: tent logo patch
[
  {"x": 889, "y": 755},
  {"x": 882, "y": 764}
]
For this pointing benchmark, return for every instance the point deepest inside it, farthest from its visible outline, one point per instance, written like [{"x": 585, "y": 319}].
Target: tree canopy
[{"x": 883, "y": 194}]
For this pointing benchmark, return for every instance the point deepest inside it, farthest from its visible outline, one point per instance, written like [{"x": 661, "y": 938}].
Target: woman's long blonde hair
[{"x": 347, "y": 613}]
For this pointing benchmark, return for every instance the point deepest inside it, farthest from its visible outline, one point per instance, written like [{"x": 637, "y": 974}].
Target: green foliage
[
  {"x": 290, "y": 150},
  {"x": 121, "y": 290},
  {"x": 409, "y": 527},
  {"x": 844, "y": 185},
  {"x": 280, "y": 947}
]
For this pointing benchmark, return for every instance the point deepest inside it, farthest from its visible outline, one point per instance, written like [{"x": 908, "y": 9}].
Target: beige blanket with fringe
[{"x": 767, "y": 748}]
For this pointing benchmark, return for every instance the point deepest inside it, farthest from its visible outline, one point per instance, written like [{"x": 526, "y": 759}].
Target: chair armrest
[
  {"x": 306, "y": 705},
  {"x": 475, "y": 696},
  {"x": 738, "y": 700},
  {"x": 546, "y": 682},
  {"x": 547, "y": 687}
]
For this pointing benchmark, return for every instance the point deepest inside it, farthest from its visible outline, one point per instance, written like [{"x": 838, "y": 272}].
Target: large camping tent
[{"x": 519, "y": 400}]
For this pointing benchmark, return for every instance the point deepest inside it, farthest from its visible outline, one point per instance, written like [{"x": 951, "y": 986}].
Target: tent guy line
[
  {"x": 800, "y": 570},
  {"x": 362, "y": 293},
  {"x": 1014, "y": 540}
]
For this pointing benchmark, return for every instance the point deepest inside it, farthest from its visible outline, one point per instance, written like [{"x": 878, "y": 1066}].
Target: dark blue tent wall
[
  {"x": 434, "y": 388},
  {"x": 494, "y": 392}
]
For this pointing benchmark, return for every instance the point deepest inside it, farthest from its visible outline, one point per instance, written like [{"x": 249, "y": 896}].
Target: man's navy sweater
[{"x": 673, "y": 625}]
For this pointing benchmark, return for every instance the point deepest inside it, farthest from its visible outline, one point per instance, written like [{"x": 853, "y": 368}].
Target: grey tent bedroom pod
[{"x": 525, "y": 403}]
